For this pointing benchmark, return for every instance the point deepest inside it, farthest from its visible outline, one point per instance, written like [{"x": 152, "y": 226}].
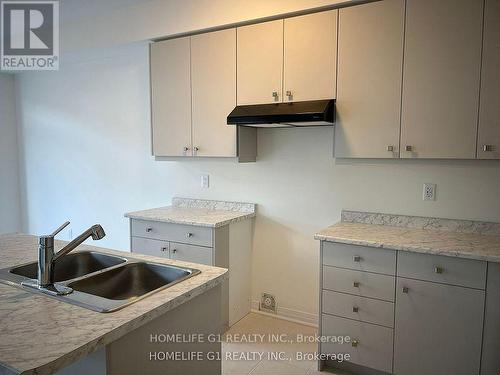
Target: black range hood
[{"x": 309, "y": 113}]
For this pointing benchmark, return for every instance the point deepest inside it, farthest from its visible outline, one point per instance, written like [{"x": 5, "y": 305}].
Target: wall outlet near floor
[
  {"x": 429, "y": 192},
  {"x": 267, "y": 303},
  {"x": 205, "y": 181}
]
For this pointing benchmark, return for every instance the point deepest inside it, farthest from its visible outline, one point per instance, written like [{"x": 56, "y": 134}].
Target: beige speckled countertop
[
  {"x": 447, "y": 237},
  {"x": 40, "y": 335},
  {"x": 198, "y": 212}
]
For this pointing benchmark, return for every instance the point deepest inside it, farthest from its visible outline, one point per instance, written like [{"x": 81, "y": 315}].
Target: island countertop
[
  {"x": 456, "y": 238},
  {"x": 40, "y": 335},
  {"x": 198, "y": 212}
]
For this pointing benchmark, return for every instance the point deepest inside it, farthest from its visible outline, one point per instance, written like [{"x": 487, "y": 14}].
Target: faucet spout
[{"x": 95, "y": 231}]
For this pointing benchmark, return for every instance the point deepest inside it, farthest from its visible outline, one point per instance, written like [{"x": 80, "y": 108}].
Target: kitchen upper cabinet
[
  {"x": 438, "y": 328},
  {"x": 260, "y": 63},
  {"x": 441, "y": 78},
  {"x": 171, "y": 97},
  {"x": 370, "y": 63},
  {"x": 310, "y": 45},
  {"x": 488, "y": 146},
  {"x": 213, "y": 83}
]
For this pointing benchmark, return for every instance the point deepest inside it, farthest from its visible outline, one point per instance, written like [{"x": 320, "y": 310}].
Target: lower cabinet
[{"x": 438, "y": 328}]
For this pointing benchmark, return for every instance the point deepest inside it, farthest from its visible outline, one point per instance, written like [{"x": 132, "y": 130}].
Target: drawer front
[
  {"x": 189, "y": 234},
  {"x": 150, "y": 247},
  {"x": 191, "y": 253},
  {"x": 374, "y": 343},
  {"x": 442, "y": 269},
  {"x": 358, "y": 308},
  {"x": 359, "y": 283},
  {"x": 359, "y": 258}
]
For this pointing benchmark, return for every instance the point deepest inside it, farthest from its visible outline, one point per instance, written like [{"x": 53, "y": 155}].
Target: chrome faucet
[{"x": 47, "y": 257}]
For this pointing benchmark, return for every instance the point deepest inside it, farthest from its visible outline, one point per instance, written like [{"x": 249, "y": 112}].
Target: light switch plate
[
  {"x": 205, "y": 181},
  {"x": 429, "y": 192}
]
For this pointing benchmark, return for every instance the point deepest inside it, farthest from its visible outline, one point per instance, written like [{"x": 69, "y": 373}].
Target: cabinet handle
[
  {"x": 275, "y": 95},
  {"x": 289, "y": 94},
  {"x": 149, "y": 229},
  {"x": 189, "y": 235},
  {"x": 355, "y": 284},
  {"x": 196, "y": 149},
  {"x": 354, "y": 343},
  {"x": 163, "y": 249},
  {"x": 390, "y": 148},
  {"x": 438, "y": 269},
  {"x": 185, "y": 149},
  {"x": 355, "y": 309},
  {"x": 405, "y": 289},
  {"x": 356, "y": 258},
  {"x": 487, "y": 148},
  {"x": 174, "y": 251},
  {"x": 409, "y": 148}
]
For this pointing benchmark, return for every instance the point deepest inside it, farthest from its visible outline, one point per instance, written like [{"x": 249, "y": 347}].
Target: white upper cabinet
[
  {"x": 171, "y": 97},
  {"x": 488, "y": 146},
  {"x": 441, "y": 78},
  {"x": 260, "y": 63},
  {"x": 310, "y": 45},
  {"x": 213, "y": 83},
  {"x": 370, "y": 63}
]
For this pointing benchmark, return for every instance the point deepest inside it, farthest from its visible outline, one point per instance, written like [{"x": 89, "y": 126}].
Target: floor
[{"x": 262, "y": 345}]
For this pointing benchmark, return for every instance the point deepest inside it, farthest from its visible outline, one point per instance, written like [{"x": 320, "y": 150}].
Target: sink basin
[
  {"x": 130, "y": 281},
  {"x": 72, "y": 266}
]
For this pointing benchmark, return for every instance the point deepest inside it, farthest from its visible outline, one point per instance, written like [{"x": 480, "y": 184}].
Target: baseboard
[{"x": 291, "y": 315}]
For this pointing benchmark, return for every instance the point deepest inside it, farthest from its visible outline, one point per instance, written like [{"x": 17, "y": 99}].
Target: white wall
[
  {"x": 10, "y": 220},
  {"x": 86, "y": 157}
]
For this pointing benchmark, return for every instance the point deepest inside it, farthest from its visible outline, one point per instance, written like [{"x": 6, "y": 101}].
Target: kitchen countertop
[
  {"x": 456, "y": 238},
  {"x": 199, "y": 212},
  {"x": 40, "y": 335}
]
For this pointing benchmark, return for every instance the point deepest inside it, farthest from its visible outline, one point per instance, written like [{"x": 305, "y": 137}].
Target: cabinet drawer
[
  {"x": 191, "y": 253},
  {"x": 374, "y": 343},
  {"x": 442, "y": 269},
  {"x": 150, "y": 247},
  {"x": 358, "y": 308},
  {"x": 172, "y": 232},
  {"x": 359, "y": 283},
  {"x": 359, "y": 258}
]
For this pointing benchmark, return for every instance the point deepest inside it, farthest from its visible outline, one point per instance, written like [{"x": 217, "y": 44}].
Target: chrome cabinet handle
[
  {"x": 356, "y": 258},
  {"x": 409, "y": 148},
  {"x": 275, "y": 95},
  {"x": 487, "y": 148},
  {"x": 163, "y": 249},
  {"x": 196, "y": 148},
  {"x": 390, "y": 148},
  {"x": 289, "y": 94},
  {"x": 189, "y": 235},
  {"x": 438, "y": 269},
  {"x": 355, "y": 309},
  {"x": 186, "y": 148},
  {"x": 354, "y": 343},
  {"x": 149, "y": 229},
  {"x": 405, "y": 289},
  {"x": 174, "y": 251},
  {"x": 355, "y": 284}
]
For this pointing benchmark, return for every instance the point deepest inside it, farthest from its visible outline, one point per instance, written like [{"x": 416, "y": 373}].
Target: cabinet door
[
  {"x": 260, "y": 63},
  {"x": 488, "y": 146},
  {"x": 150, "y": 247},
  {"x": 191, "y": 253},
  {"x": 369, "y": 80},
  {"x": 310, "y": 49},
  {"x": 171, "y": 97},
  {"x": 490, "y": 362},
  {"x": 213, "y": 85},
  {"x": 441, "y": 78},
  {"x": 438, "y": 329}
]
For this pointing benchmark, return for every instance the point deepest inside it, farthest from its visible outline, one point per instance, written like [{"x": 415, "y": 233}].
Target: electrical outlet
[
  {"x": 429, "y": 192},
  {"x": 267, "y": 303},
  {"x": 205, "y": 181}
]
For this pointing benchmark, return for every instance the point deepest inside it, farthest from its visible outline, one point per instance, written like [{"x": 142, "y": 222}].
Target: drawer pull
[
  {"x": 355, "y": 309},
  {"x": 354, "y": 343},
  {"x": 438, "y": 269},
  {"x": 356, "y": 258},
  {"x": 163, "y": 249},
  {"x": 405, "y": 289},
  {"x": 355, "y": 284},
  {"x": 189, "y": 235},
  {"x": 174, "y": 251},
  {"x": 149, "y": 229}
]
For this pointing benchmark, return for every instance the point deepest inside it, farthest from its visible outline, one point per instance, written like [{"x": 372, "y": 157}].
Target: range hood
[{"x": 280, "y": 115}]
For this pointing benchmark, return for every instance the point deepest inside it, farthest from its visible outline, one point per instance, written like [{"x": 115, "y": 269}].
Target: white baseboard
[{"x": 291, "y": 315}]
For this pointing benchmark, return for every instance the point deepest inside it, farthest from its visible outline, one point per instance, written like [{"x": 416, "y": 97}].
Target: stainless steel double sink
[{"x": 102, "y": 282}]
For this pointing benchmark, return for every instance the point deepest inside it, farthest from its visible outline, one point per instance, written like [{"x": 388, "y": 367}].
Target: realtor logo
[{"x": 29, "y": 35}]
